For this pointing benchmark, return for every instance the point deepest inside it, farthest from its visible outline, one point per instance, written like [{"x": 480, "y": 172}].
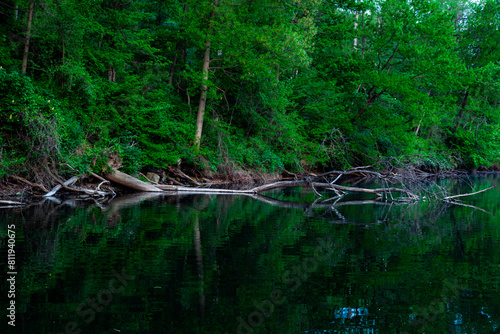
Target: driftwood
[
  {"x": 68, "y": 185},
  {"x": 87, "y": 191},
  {"x": 61, "y": 185},
  {"x": 407, "y": 182},
  {"x": 288, "y": 184},
  {"x": 310, "y": 181},
  {"x": 10, "y": 202},
  {"x": 130, "y": 182},
  {"x": 469, "y": 194}
]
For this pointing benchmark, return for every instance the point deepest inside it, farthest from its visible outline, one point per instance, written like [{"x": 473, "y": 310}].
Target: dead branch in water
[
  {"x": 10, "y": 202},
  {"x": 408, "y": 182},
  {"x": 468, "y": 194},
  {"x": 68, "y": 185},
  {"x": 61, "y": 185},
  {"x": 289, "y": 184}
]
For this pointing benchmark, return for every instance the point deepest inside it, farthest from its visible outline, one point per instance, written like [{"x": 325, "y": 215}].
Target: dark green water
[{"x": 235, "y": 264}]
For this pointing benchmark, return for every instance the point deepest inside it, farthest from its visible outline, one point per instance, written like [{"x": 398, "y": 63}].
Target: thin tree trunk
[
  {"x": 356, "y": 17},
  {"x": 203, "y": 96},
  {"x": 204, "y": 86},
  {"x": 172, "y": 70},
  {"x": 28, "y": 35},
  {"x": 419, "y": 123},
  {"x": 363, "y": 39}
]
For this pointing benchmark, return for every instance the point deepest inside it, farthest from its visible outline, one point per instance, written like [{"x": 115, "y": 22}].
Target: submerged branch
[{"x": 468, "y": 194}]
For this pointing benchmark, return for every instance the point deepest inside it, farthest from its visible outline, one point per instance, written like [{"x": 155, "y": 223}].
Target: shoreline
[{"x": 14, "y": 190}]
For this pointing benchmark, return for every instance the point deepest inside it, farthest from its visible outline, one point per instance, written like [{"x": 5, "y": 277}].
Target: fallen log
[
  {"x": 10, "y": 202},
  {"x": 86, "y": 191},
  {"x": 288, "y": 184},
  {"x": 327, "y": 181},
  {"x": 130, "y": 182},
  {"x": 282, "y": 184},
  {"x": 59, "y": 186}
]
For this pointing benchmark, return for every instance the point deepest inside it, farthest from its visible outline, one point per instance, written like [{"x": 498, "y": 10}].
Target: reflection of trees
[{"x": 217, "y": 254}]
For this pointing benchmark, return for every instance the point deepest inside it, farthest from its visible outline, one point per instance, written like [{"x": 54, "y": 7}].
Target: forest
[{"x": 220, "y": 86}]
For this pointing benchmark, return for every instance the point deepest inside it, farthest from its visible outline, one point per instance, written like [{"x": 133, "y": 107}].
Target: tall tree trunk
[
  {"x": 28, "y": 35},
  {"x": 363, "y": 39},
  {"x": 172, "y": 70},
  {"x": 204, "y": 86},
  {"x": 356, "y": 17},
  {"x": 112, "y": 73},
  {"x": 203, "y": 96}
]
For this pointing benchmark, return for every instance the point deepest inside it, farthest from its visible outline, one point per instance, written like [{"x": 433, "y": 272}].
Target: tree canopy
[{"x": 268, "y": 85}]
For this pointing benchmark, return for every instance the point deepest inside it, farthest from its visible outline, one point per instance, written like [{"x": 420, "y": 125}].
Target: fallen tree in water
[{"x": 398, "y": 184}]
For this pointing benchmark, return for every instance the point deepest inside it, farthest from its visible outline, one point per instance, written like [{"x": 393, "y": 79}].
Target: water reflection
[{"x": 217, "y": 264}]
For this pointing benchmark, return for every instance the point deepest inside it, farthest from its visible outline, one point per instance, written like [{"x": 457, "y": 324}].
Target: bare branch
[
  {"x": 29, "y": 183},
  {"x": 468, "y": 194}
]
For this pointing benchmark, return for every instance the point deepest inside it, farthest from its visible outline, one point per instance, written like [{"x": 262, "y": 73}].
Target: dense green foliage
[{"x": 288, "y": 83}]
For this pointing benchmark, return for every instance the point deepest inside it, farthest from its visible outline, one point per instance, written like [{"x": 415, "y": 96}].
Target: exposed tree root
[{"x": 35, "y": 185}]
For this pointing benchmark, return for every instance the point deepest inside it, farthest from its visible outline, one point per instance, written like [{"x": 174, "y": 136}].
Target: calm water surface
[{"x": 236, "y": 264}]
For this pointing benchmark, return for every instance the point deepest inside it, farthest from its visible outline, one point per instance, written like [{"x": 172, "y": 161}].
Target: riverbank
[
  {"x": 13, "y": 187},
  {"x": 111, "y": 184}
]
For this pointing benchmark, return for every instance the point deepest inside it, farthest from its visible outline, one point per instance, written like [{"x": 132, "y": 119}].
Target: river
[{"x": 236, "y": 264}]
